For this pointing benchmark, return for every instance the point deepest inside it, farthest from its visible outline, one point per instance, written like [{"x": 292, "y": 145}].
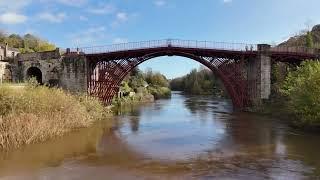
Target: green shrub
[
  {"x": 302, "y": 88},
  {"x": 159, "y": 92}
]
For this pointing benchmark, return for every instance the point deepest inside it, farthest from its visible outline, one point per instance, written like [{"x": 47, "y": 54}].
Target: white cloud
[
  {"x": 103, "y": 9},
  {"x": 227, "y": 1},
  {"x": 160, "y": 3},
  {"x": 13, "y": 5},
  {"x": 76, "y": 3},
  {"x": 120, "y": 40},
  {"x": 94, "y": 30},
  {"x": 83, "y": 18},
  {"x": 122, "y": 16},
  {"x": 53, "y": 18},
  {"x": 12, "y": 18},
  {"x": 89, "y": 36}
]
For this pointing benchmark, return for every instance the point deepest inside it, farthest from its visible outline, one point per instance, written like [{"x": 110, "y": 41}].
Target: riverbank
[
  {"x": 296, "y": 95},
  {"x": 185, "y": 136},
  {"x": 33, "y": 114}
]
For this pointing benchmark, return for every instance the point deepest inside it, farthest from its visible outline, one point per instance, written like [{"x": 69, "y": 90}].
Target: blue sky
[{"x": 73, "y": 23}]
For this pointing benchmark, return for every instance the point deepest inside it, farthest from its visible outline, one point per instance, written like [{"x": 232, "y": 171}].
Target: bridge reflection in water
[{"x": 187, "y": 136}]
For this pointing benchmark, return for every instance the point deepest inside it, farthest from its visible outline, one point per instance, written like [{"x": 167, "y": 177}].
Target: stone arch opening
[{"x": 34, "y": 72}]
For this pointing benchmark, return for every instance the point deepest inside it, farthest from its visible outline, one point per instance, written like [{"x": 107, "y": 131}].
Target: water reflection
[{"x": 187, "y": 136}]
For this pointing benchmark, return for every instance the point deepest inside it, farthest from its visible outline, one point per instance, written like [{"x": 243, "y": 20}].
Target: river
[{"x": 185, "y": 137}]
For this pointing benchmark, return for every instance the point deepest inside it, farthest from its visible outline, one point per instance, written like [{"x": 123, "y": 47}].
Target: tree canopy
[
  {"x": 197, "y": 82},
  {"x": 303, "y": 92},
  {"x": 26, "y": 43},
  {"x": 146, "y": 82}
]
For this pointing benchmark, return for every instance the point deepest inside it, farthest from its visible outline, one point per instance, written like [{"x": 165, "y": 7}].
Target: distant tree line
[
  {"x": 198, "y": 82},
  {"x": 26, "y": 43}
]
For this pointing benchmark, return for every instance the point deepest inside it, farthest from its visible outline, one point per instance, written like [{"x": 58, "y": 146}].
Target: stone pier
[{"x": 259, "y": 75}]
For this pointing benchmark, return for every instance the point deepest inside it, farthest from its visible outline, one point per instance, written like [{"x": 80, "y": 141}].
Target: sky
[{"x": 82, "y": 23}]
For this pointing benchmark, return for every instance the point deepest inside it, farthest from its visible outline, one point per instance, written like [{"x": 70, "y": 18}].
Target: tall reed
[{"x": 36, "y": 113}]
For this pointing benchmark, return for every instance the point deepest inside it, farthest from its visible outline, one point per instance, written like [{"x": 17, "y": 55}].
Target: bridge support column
[{"x": 259, "y": 76}]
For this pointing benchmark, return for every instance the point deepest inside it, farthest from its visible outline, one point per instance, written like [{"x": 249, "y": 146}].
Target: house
[{"x": 7, "y": 52}]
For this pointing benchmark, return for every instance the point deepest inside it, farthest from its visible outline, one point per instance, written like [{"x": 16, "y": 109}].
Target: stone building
[
  {"x": 6, "y": 54},
  {"x": 52, "y": 68}
]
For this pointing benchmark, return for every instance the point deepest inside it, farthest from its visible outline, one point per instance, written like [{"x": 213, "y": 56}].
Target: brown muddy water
[{"x": 185, "y": 137}]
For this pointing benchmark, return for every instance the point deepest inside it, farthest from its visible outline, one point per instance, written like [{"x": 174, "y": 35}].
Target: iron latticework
[{"x": 109, "y": 65}]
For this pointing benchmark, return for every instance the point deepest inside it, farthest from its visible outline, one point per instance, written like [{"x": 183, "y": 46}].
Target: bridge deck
[{"x": 205, "y": 48}]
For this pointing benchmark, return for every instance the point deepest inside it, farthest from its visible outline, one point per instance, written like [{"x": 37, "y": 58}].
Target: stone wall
[
  {"x": 259, "y": 76},
  {"x": 2, "y": 56},
  {"x": 265, "y": 72},
  {"x": 65, "y": 71},
  {"x": 39, "y": 55},
  {"x": 73, "y": 73},
  {"x": 5, "y": 72}
]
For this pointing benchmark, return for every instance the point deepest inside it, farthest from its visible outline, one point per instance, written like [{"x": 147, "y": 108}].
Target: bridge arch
[
  {"x": 217, "y": 72},
  {"x": 106, "y": 75}
]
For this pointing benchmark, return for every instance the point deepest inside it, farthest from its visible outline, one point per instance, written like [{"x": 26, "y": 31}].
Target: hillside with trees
[
  {"x": 26, "y": 43},
  {"x": 296, "y": 88},
  {"x": 306, "y": 38}
]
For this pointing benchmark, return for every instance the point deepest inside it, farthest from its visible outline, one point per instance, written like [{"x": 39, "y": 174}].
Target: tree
[
  {"x": 2, "y": 36},
  {"x": 14, "y": 40},
  {"x": 200, "y": 82},
  {"x": 27, "y": 43},
  {"x": 303, "y": 91},
  {"x": 196, "y": 88},
  {"x": 44, "y": 46},
  {"x": 30, "y": 41},
  {"x": 309, "y": 40},
  {"x": 156, "y": 79}
]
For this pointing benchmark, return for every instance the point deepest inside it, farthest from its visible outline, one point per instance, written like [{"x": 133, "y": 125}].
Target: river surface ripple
[{"x": 185, "y": 137}]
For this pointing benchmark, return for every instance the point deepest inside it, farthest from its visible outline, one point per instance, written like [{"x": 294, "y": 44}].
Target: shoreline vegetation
[
  {"x": 296, "y": 95},
  {"x": 30, "y": 113},
  {"x": 142, "y": 87},
  {"x": 33, "y": 114},
  {"x": 199, "y": 82}
]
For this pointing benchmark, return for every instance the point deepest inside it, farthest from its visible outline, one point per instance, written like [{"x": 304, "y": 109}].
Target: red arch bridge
[{"x": 244, "y": 69}]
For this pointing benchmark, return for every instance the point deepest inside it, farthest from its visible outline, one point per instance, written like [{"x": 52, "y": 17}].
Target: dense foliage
[
  {"x": 26, "y": 43},
  {"x": 145, "y": 83},
  {"x": 302, "y": 87},
  {"x": 198, "y": 83},
  {"x": 309, "y": 40}
]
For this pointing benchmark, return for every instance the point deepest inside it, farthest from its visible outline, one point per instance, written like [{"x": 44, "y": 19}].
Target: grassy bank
[
  {"x": 35, "y": 114},
  {"x": 134, "y": 99}
]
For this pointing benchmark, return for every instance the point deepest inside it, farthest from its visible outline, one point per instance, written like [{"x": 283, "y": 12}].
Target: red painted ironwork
[
  {"x": 109, "y": 65},
  {"x": 167, "y": 43}
]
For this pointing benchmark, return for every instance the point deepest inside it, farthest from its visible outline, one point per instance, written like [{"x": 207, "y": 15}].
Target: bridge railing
[
  {"x": 167, "y": 43},
  {"x": 192, "y": 44},
  {"x": 295, "y": 49}
]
